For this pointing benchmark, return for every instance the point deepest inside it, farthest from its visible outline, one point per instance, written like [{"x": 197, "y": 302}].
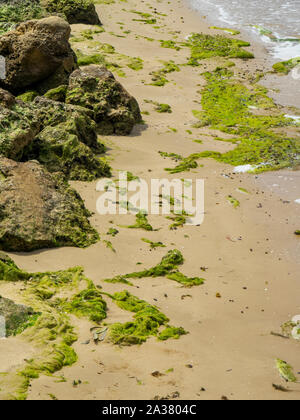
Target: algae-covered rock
[
  {"x": 95, "y": 88},
  {"x": 38, "y": 210},
  {"x": 77, "y": 118},
  {"x": 17, "y": 317},
  {"x": 60, "y": 150},
  {"x": 57, "y": 94},
  {"x": 18, "y": 127},
  {"x": 36, "y": 51},
  {"x": 67, "y": 142},
  {"x": 76, "y": 11}
]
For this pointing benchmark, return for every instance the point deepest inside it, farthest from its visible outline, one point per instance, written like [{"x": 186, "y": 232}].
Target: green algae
[
  {"x": 112, "y": 232},
  {"x": 284, "y": 67},
  {"x": 185, "y": 164},
  {"x": 230, "y": 31},
  {"x": 233, "y": 201},
  {"x": 109, "y": 245},
  {"x": 169, "y": 44},
  {"x": 21, "y": 11},
  {"x": 51, "y": 333},
  {"x": 159, "y": 77},
  {"x": 285, "y": 371},
  {"x": 28, "y": 96},
  {"x": 178, "y": 219},
  {"x": 146, "y": 322},
  {"x": 226, "y": 105},
  {"x": 171, "y": 333},
  {"x": 168, "y": 263},
  {"x": 160, "y": 108},
  {"x": 88, "y": 303},
  {"x": 59, "y": 149},
  {"x": 153, "y": 245},
  {"x": 9, "y": 271},
  {"x": 207, "y": 46},
  {"x": 141, "y": 222},
  {"x": 184, "y": 280},
  {"x": 163, "y": 108},
  {"x": 57, "y": 94}
]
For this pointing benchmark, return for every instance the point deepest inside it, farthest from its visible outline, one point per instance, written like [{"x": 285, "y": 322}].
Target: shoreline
[
  {"x": 281, "y": 88},
  {"x": 249, "y": 254}
]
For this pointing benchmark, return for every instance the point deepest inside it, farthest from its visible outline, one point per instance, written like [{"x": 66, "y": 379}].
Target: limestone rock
[
  {"x": 38, "y": 210},
  {"x": 95, "y": 88},
  {"x": 37, "y": 51}
]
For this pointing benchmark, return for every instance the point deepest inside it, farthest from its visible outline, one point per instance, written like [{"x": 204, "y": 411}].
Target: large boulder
[
  {"x": 37, "y": 54},
  {"x": 95, "y": 88},
  {"x": 76, "y": 11},
  {"x": 38, "y": 210}
]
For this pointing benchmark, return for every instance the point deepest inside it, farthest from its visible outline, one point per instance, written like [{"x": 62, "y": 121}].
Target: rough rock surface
[
  {"x": 38, "y": 210},
  {"x": 95, "y": 88},
  {"x": 18, "y": 126},
  {"x": 76, "y": 11},
  {"x": 37, "y": 51},
  {"x": 7, "y": 100},
  {"x": 68, "y": 142},
  {"x": 61, "y": 137},
  {"x": 15, "y": 315}
]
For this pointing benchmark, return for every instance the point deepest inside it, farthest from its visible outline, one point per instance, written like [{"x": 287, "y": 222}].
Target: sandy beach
[{"x": 250, "y": 254}]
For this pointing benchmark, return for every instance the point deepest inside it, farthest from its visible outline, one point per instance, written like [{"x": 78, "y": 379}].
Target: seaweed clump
[
  {"x": 47, "y": 328},
  {"x": 284, "y": 67},
  {"x": 285, "y": 371},
  {"x": 168, "y": 267},
  {"x": 227, "y": 106},
  {"x": 207, "y": 46},
  {"x": 168, "y": 263},
  {"x": 147, "y": 321},
  {"x": 141, "y": 222},
  {"x": 88, "y": 303}
]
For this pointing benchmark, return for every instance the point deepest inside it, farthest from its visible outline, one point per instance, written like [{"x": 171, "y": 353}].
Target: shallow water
[{"x": 279, "y": 17}]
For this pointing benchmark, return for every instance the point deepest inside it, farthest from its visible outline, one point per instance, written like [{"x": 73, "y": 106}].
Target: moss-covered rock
[
  {"x": 95, "y": 88},
  {"x": 38, "y": 210},
  {"x": 76, "y": 11},
  {"x": 77, "y": 119},
  {"x": 67, "y": 141},
  {"x": 59, "y": 150},
  {"x": 57, "y": 94},
  {"x": 18, "y": 127},
  {"x": 17, "y": 317}
]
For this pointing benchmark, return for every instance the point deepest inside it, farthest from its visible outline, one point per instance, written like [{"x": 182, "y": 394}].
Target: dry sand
[{"x": 251, "y": 254}]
